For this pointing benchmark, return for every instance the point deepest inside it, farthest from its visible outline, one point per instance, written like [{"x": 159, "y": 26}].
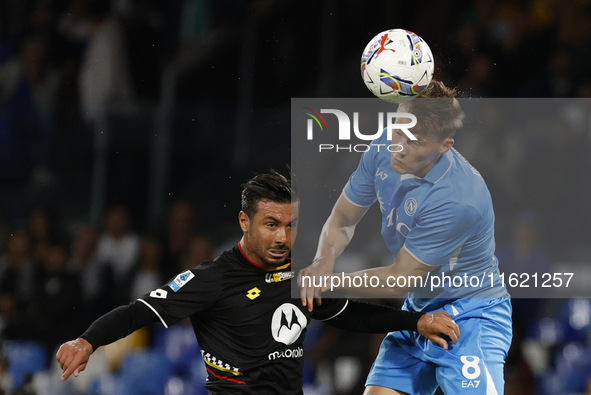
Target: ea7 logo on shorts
[
  {"x": 470, "y": 370},
  {"x": 181, "y": 280},
  {"x": 470, "y": 383}
]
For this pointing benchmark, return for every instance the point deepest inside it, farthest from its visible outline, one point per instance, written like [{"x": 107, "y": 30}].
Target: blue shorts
[{"x": 410, "y": 363}]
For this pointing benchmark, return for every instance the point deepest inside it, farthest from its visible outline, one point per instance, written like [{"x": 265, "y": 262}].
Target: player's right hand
[
  {"x": 73, "y": 357},
  {"x": 434, "y": 325},
  {"x": 314, "y": 273}
]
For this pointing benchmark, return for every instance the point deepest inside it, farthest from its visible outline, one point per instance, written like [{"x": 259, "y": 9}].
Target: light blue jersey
[{"x": 445, "y": 219}]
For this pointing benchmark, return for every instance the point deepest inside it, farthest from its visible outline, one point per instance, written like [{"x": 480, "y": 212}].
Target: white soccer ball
[{"x": 397, "y": 65}]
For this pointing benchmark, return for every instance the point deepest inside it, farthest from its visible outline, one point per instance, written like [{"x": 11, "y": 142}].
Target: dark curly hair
[{"x": 272, "y": 186}]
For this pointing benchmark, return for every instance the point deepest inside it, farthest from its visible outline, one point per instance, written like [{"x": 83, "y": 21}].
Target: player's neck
[
  {"x": 422, "y": 172},
  {"x": 250, "y": 255}
]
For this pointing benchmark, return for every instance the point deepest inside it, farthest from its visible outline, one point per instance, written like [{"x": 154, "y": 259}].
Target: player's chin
[
  {"x": 399, "y": 169},
  {"x": 398, "y": 166},
  {"x": 276, "y": 261}
]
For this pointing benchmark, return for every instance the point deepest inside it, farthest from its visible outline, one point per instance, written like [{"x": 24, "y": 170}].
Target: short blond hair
[{"x": 438, "y": 112}]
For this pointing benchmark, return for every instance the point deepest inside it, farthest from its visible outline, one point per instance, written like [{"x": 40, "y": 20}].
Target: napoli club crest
[{"x": 410, "y": 206}]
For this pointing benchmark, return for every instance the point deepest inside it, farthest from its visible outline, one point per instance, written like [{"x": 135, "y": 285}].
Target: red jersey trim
[{"x": 224, "y": 378}]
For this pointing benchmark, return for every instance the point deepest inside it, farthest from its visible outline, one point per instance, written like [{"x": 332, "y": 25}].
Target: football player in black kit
[{"x": 249, "y": 328}]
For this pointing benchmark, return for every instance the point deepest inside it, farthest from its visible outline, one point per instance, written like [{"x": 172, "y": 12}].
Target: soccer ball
[{"x": 397, "y": 65}]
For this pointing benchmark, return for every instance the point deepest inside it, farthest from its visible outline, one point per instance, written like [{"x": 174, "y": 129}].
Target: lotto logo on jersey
[
  {"x": 181, "y": 280},
  {"x": 253, "y": 293}
]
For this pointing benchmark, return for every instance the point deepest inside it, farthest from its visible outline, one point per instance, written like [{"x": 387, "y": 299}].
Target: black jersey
[{"x": 250, "y": 330}]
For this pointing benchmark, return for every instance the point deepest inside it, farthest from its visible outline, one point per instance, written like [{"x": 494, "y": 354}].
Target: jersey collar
[
  {"x": 288, "y": 264},
  {"x": 441, "y": 168}
]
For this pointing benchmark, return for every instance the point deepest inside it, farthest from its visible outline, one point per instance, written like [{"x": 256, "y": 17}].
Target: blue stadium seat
[
  {"x": 573, "y": 366},
  {"x": 180, "y": 346},
  {"x": 24, "y": 357},
  {"x": 548, "y": 331},
  {"x": 145, "y": 372},
  {"x": 107, "y": 384},
  {"x": 178, "y": 386},
  {"x": 575, "y": 316}
]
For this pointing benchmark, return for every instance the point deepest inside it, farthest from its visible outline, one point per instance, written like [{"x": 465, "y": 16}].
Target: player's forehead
[
  {"x": 283, "y": 211},
  {"x": 423, "y": 136}
]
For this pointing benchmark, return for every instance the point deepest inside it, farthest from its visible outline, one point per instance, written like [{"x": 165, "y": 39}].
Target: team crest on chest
[{"x": 410, "y": 206}]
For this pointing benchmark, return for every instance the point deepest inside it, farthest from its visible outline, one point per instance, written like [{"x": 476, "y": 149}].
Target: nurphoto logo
[{"x": 387, "y": 122}]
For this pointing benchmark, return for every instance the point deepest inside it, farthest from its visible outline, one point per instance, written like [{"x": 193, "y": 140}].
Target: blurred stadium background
[{"x": 126, "y": 128}]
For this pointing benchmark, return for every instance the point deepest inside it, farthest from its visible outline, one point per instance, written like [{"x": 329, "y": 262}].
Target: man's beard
[{"x": 276, "y": 262}]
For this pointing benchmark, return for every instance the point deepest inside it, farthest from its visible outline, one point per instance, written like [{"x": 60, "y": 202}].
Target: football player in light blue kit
[{"x": 438, "y": 222}]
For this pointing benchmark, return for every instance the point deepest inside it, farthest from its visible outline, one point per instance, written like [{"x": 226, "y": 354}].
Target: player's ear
[
  {"x": 244, "y": 221},
  {"x": 446, "y": 145}
]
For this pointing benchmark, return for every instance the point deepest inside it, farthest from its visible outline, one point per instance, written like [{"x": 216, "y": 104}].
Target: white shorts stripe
[{"x": 490, "y": 384}]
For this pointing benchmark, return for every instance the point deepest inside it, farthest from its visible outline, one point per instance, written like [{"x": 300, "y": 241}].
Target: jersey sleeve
[
  {"x": 440, "y": 233},
  {"x": 190, "y": 292},
  {"x": 365, "y": 317},
  {"x": 118, "y": 323},
  {"x": 330, "y": 308},
  {"x": 360, "y": 189}
]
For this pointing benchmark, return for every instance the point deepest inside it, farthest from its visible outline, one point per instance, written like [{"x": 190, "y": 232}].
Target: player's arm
[
  {"x": 116, "y": 324},
  {"x": 334, "y": 237},
  {"x": 188, "y": 293},
  {"x": 440, "y": 233},
  {"x": 394, "y": 280},
  {"x": 374, "y": 318}
]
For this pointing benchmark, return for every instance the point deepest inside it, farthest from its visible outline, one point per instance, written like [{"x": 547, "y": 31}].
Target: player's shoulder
[
  {"x": 226, "y": 258},
  {"x": 231, "y": 261},
  {"x": 462, "y": 172},
  {"x": 458, "y": 182},
  {"x": 224, "y": 262},
  {"x": 204, "y": 273}
]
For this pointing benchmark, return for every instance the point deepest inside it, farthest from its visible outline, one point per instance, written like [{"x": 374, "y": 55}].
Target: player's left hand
[
  {"x": 73, "y": 357},
  {"x": 310, "y": 294},
  {"x": 436, "y": 325}
]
